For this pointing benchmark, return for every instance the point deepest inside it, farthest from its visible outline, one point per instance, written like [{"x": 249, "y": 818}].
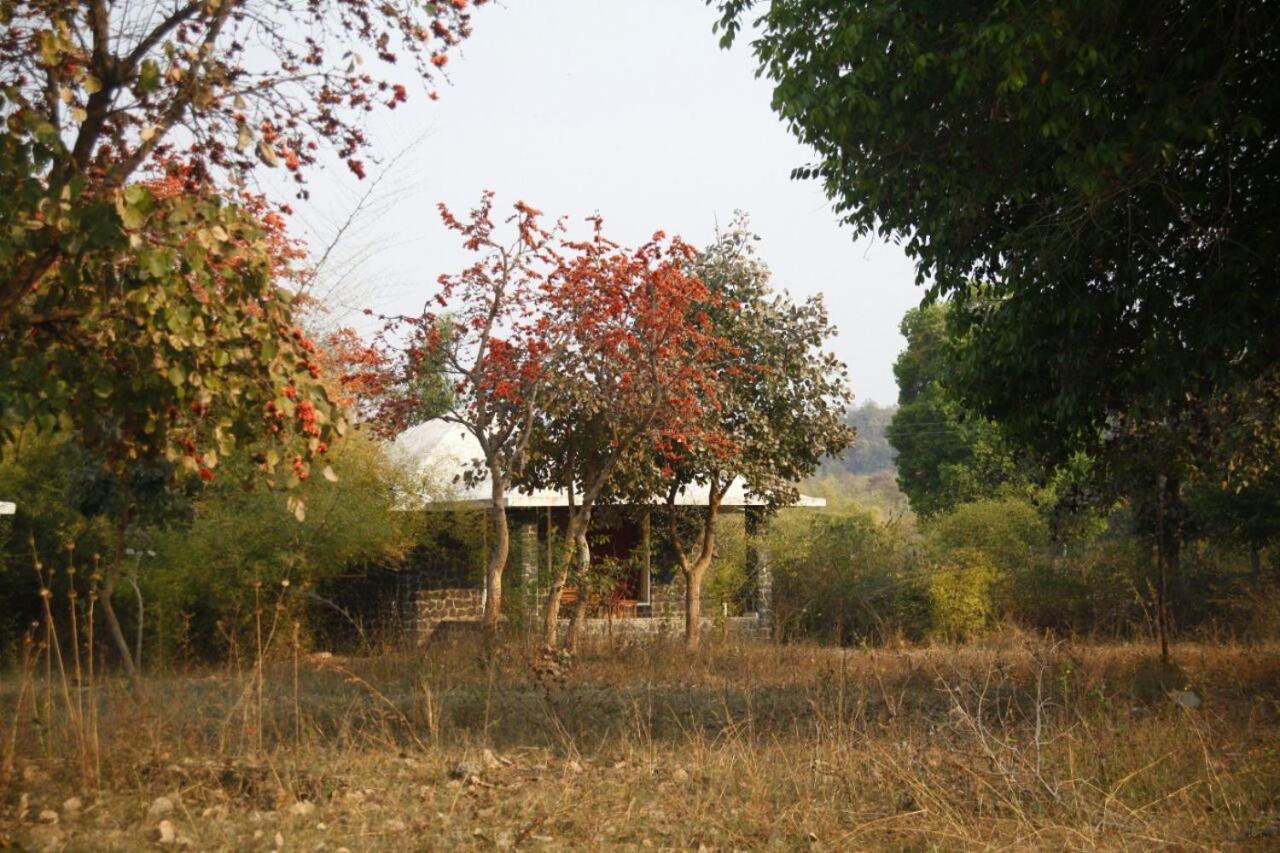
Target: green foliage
[
  {"x": 877, "y": 493},
  {"x": 844, "y": 577},
  {"x": 1105, "y": 170},
  {"x": 1008, "y": 533},
  {"x": 990, "y": 558},
  {"x": 206, "y": 572},
  {"x": 161, "y": 333},
  {"x": 198, "y": 552},
  {"x": 781, "y": 397},
  {"x": 946, "y": 455},
  {"x": 39, "y": 474},
  {"x": 962, "y": 596}
]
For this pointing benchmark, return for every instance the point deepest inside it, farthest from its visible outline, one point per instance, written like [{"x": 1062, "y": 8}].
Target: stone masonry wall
[{"x": 446, "y": 605}]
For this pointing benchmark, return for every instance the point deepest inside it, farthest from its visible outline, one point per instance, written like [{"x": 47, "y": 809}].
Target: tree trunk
[
  {"x": 109, "y": 588},
  {"x": 693, "y": 598},
  {"x": 583, "y": 552},
  {"x": 498, "y": 554},
  {"x": 692, "y": 608},
  {"x": 696, "y": 569},
  {"x": 578, "y": 521},
  {"x": 1168, "y": 554}
]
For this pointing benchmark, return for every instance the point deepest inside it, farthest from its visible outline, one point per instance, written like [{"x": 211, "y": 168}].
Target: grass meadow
[{"x": 1015, "y": 743}]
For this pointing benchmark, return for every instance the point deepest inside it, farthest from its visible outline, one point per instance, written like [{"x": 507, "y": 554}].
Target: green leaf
[{"x": 149, "y": 78}]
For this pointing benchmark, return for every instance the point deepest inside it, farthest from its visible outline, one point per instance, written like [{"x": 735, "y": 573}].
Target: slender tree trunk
[
  {"x": 1169, "y": 554},
  {"x": 695, "y": 569},
  {"x": 108, "y": 588},
  {"x": 583, "y": 556},
  {"x": 692, "y": 609},
  {"x": 138, "y": 630},
  {"x": 693, "y": 598},
  {"x": 578, "y": 522},
  {"x": 498, "y": 555}
]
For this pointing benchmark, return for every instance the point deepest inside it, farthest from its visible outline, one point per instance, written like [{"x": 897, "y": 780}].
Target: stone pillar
[
  {"x": 758, "y": 566},
  {"x": 646, "y": 569},
  {"x": 528, "y": 537}
]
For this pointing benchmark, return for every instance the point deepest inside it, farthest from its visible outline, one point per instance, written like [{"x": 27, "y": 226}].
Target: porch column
[
  {"x": 758, "y": 567},
  {"x": 645, "y": 567},
  {"x": 528, "y": 534}
]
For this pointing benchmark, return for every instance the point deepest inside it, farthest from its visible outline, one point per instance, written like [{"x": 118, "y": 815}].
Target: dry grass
[{"x": 1015, "y": 744}]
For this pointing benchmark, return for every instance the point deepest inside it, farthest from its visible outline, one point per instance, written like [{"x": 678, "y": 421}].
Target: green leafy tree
[
  {"x": 168, "y": 336},
  {"x": 946, "y": 455},
  {"x": 1105, "y": 170},
  {"x": 171, "y": 337},
  {"x": 1092, "y": 183},
  {"x": 779, "y": 405}
]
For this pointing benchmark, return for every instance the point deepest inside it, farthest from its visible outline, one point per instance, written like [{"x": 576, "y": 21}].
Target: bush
[
  {"x": 844, "y": 577},
  {"x": 996, "y": 550},
  {"x": 207, "y": 577},
  {"x": 962, "y": 596}
]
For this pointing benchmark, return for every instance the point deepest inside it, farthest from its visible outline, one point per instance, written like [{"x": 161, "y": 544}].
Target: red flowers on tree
[
  {"x": 95, "y": 90},
  {"x": 560, "y": 357},
  {"x": 633, "y": 378},
  {"x": 479, "y": 355}
]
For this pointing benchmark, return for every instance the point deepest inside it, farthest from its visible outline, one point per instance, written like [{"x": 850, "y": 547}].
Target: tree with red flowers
[
  {"x": 95, "y": 90},
  {"x": 174, "y": 342},
  {"x": 633, "y": 377},
  {"x": 482, "y": 353}
]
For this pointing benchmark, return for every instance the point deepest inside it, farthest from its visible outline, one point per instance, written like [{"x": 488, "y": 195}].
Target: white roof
[
  {"x": 8, "y": 508},
  {"x": 440, "y": 450}
]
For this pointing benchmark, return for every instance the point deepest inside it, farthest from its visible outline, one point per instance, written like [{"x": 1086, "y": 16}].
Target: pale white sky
[{"x": 626, "y": 108}]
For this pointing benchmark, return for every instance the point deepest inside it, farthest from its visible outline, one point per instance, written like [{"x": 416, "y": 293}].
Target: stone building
[{"x": 638, "y": 597}]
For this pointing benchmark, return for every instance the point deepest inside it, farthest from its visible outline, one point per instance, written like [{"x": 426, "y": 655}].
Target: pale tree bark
[
  {"x": 498, "y": 555},
  {"x": 694, "y": 567},
  {"x": 579, "y": 520},
  {"x": 579, "y": 524},
  {"x": 108, "y": 588},
  {"x": 583, "y": 553}
]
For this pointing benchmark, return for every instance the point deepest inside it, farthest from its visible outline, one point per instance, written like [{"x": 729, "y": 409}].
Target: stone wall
[
  {"x": 673, "y": 626},
  {"x": 434, "y": 606}
]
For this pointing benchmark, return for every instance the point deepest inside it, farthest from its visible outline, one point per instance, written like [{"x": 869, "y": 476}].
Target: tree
[
  {"x": 634, "y": 377},
  {"x": 175, "y": 340},
  {"x": 779, "y": 405},
  {"x": 95, "y": 90},
  {"x": 1105, "y": 171},
  {"x": 495, "y": 353},
  {"x": 172, "y": 341},
  {"x": 871, "y": 452},
  {"x": 946, "y": 454},
  {"x": 1093, "y": 183}
]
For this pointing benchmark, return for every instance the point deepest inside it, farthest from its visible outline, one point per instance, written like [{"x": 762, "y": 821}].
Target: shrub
[
  {"x": 844, "y": 577},
  {"x": 962, "y": 595}
]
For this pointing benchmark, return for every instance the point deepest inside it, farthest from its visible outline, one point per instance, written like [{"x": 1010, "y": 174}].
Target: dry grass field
[{"x": 1017, "y": 743}]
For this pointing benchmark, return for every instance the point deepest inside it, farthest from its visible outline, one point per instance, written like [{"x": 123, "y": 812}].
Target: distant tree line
[{"x": 871, "y": 452}]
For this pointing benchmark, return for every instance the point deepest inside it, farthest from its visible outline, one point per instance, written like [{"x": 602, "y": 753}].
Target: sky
[{"x": 623, "y": 108}]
